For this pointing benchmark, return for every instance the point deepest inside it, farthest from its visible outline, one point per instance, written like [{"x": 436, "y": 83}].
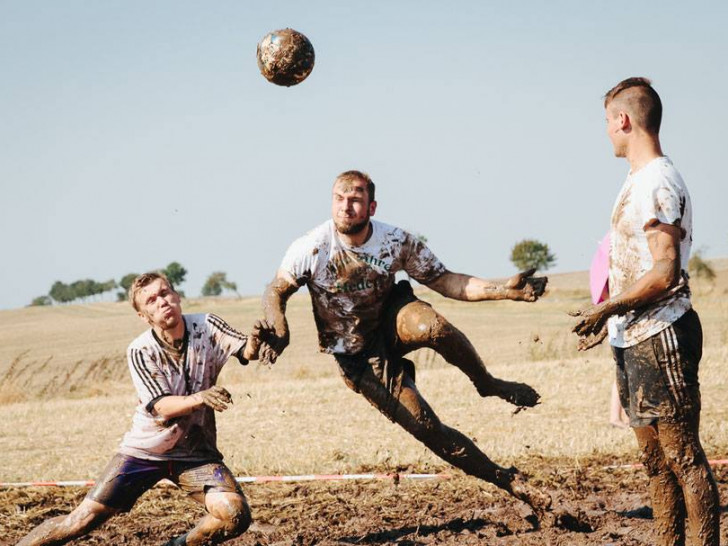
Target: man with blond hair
[
  {"x": 174, "y": 366},
  {"x": 654, "y": 332},
  {"x": 368, "y": 323}
]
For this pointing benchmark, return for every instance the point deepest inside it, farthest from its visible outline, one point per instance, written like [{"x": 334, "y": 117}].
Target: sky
[{"x": 137, "y": 133}]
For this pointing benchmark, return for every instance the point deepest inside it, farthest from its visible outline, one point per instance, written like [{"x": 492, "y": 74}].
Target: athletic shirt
[
  {"x": 655, "y": 192},
  {"x": 349, "y": 285},
  {"x": 157, "y": 372}
]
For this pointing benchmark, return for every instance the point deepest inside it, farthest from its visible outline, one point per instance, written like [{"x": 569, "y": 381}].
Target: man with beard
[
  {"x": 174, "y": 366},
  {"x": 368, "y": 323}
]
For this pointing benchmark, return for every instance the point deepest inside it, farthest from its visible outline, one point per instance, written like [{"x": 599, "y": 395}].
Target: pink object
[{"x": 599, "y": 272}]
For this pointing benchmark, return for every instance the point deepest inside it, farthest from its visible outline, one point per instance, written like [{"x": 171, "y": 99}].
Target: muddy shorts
[
  {"x": 125, "y": 478},
  {"x": 382, "y": 358},
  {"x": 657, "y": 379}
]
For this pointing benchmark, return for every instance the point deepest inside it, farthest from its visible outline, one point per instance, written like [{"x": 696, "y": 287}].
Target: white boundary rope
[
  {"x": 254, "y": 479},
  {"x": 310, "y": 477}
]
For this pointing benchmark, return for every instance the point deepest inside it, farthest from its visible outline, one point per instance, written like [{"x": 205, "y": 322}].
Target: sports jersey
[
  {"x": 349, "y": 285},
  {"x": 654, "y": 193},
  {"x": 157, "y": 372}
]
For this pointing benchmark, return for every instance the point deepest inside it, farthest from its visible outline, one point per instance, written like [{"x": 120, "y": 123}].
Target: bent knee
[
  {"x": 417, "y": 322},
  {"x": 233, "y": 513}
]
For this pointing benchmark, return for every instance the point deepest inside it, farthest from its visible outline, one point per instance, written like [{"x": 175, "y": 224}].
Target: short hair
[
  {"x": 143, "y": 280},
  {"x": 361, "y": 176},
  {"x": 640, "y": 100}
]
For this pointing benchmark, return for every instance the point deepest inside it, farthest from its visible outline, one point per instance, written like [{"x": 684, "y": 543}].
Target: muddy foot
[
  {"x": 539, "y": 501},
  {"x": 518, "y": 394}
]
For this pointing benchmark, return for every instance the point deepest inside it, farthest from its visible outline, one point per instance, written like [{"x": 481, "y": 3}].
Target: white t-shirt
[
  {"x": 349, "y": 285},
  {"x": 655, "y": 192},
  {"x": 157, "y": 373}
]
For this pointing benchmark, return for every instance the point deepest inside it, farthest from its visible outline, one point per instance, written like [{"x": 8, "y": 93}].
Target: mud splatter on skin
[{"x": 681, "y": 483}]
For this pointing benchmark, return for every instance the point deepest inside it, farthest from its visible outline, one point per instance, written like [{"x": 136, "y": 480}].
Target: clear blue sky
[{"x": 136, "y": 133}]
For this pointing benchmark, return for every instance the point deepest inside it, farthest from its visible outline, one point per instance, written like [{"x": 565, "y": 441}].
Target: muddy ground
[{"x": 604, "y": 506}]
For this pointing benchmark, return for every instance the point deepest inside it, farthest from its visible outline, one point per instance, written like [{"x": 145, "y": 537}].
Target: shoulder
[
  {"x": 141, "y": 343},
  {"x": 388, "y": 232},
  {"x": 314, "y": 238},
  {"x": 662, "y": 174}
]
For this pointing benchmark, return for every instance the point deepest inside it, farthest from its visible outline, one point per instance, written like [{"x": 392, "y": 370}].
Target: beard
[{"x": 347, "y": 228}]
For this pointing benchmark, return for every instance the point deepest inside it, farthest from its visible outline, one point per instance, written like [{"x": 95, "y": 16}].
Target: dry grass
[{"x": 66, "y": 398}]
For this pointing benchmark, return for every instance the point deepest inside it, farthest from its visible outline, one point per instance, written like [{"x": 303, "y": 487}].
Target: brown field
[{"x": 66, "y": 400}]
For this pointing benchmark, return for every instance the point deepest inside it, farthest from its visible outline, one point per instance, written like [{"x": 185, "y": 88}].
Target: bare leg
[
  {"x": 617, "y": 416},
  {"x": 419, "y": 325},
  {"x": 62, "y": 529},
  {"x": 684, "y": 454},
  {"x": 228, "y": 516},
  {"x": 416, "y": 417},
  {"x": 668, "y": 506}
]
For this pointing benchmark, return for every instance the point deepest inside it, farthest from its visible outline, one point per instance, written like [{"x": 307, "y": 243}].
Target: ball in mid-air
[{"x": 285, "y": 57}]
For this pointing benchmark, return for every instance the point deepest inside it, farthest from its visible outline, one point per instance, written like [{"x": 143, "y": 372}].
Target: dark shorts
[
  {"x": 382, "y": 356},
  {"x": 657, "y": 379},
  {"x": 125, "y": 478}
]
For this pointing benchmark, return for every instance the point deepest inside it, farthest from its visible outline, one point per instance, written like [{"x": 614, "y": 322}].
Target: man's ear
[
  {"x": 372, "y": 208},
  {"x": 144, "y": 318},
  {"x": 624, "y": 122}
]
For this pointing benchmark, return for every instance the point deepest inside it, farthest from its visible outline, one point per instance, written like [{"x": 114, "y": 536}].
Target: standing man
[
  {"x": 368, "y": 323},
  {"x": 654, "y": 332},
  {"x": 174, "y": 366}
]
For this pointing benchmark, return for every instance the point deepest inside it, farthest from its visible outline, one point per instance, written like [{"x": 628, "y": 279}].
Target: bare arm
[
  {"x": 275, "y": 299},
  {"x": 664, "y": 245},
  {"x": 171, "y": 406},
  {"x": 520, "y": 287}
]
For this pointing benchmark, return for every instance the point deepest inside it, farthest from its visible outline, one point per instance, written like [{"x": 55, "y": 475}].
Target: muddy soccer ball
[{"x": 285, "y": 57}]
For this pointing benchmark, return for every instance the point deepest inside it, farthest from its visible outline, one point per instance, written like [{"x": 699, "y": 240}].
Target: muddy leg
[
  {"x": 419, "y": 325},
  {"x": 62, "y": 529},
  {"x": 684, "y": 454},
  {"x": 668, "y": 506},
  {"x": 416, "y": 417},
  {"x": 228, "y": 516}
]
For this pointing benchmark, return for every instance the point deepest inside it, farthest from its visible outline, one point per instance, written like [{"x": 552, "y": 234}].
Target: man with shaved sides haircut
[
  {"x": 174, "y": 366},
  {"x": 368, "y": 323},
  {"x": 654, "y": 332}
]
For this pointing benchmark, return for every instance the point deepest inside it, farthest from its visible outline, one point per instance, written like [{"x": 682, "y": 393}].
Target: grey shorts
[
  {"x": 657, "y": 379},
  {"x": 125, "y": 478}
]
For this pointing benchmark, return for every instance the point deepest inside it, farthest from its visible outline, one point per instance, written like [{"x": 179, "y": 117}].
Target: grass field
[{"x": 66, "y": 398}]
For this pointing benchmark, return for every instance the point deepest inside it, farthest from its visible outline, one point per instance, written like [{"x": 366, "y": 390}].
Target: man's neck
[
  {"x": 172, "y": 337},
  {"x": 642, "y": 151},
  {"x": 357, "y": 239}
]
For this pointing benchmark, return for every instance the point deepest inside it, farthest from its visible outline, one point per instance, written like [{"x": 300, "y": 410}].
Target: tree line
[{"x": 84, "y": 289}]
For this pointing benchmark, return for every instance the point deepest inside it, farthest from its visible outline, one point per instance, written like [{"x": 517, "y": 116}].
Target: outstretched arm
[
  {"x": 663, "y": 241},
  {"x": 520, "y": 287},
  {"x": 275, "y": 299}
]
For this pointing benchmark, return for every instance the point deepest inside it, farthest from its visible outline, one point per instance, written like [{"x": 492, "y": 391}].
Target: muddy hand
[
  {"x": 267, "y": 355},
  {"x": 260, "y": 334},
  {"x": 527, "y": 287},
  {"x": 586, "y": 343},
  {"x": 591, "y": 322},
  {"x": 216, "y": 398}
]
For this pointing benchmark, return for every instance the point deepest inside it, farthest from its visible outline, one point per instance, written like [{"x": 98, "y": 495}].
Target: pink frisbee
[{"x": 599, "y": 272}]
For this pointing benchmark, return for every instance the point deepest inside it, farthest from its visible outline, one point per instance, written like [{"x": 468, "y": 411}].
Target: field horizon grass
[{"x": 66, "y": 397}]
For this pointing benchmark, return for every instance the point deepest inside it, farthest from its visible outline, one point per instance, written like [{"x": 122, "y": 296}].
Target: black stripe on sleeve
[
  {"x": 225, "y": 328},
  {"x": 153, "y": 387}
]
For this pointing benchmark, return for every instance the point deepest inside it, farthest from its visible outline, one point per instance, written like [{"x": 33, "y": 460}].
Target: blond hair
[{"x": 143, "y": 280}]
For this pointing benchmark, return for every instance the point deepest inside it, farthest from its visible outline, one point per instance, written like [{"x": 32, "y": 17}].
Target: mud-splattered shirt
[
  {"x": 654, "y": 193},
  {"x": 156, "y": 372},
  {"x": 349, "y": 285}
]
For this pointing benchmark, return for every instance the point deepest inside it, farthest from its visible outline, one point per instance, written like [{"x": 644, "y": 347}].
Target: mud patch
[{"x": 593, "y": 505}]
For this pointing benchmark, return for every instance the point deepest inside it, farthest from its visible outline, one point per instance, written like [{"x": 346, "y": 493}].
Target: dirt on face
[{"x": 598, "y": 506}]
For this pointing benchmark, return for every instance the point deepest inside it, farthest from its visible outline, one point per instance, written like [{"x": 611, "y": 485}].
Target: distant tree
[
  {"x": 216, "y": 283},
  {"x": 41, "y": 300},
  {"x": 699, "y": 268},
  {"x": 530, "y": 253},
  {"x": 61, "y": 292},
  {"x": 175, "y": 273},
  {"x": 125, "y": 284}
]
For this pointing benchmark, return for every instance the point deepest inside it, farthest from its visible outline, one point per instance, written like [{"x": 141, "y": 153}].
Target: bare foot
[
  {"x": 539, "y": 501},
  {"x": 518, "y": 394}
]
